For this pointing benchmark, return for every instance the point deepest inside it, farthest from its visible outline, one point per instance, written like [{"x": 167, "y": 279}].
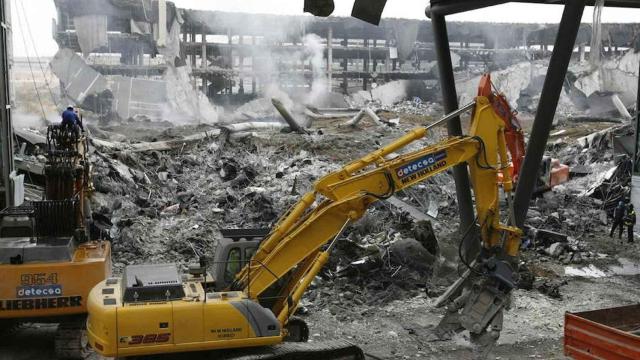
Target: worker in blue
[{"x": 71, "y": 119}]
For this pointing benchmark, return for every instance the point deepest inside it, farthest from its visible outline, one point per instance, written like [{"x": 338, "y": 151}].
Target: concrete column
[
  {"x": 388, "y": 56},
  {"x": 330, "y": 58},
  {"x": 253, "y": 68},
  {"x": 366, "y": 60},
  {"x": 230, "y": 60},
  {"x": 193, "y": 58},
  {"x": 203, "y": 59},
  {"x": 141, "y": 56},
  {"x": 582, "y": 50},
  {"x": 375, "y": 61},
  {"x": 241, "y": 65},
  {"x": 193, "y": 52},
  {"x": 345, "y": 67},
  {"x": 183, "y": 46}
]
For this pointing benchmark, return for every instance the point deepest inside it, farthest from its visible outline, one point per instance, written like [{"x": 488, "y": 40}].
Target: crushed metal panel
[{"x": 78, "y": 79}]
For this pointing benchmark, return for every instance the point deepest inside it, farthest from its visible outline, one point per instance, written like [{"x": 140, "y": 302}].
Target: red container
[{"x": 611, "y": 334}]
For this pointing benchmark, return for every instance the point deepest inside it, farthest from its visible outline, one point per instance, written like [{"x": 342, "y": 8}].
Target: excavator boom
[{"x": 292, "y": 255}]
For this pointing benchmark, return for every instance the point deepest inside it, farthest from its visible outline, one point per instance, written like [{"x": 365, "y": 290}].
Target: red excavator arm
[{"x": 513, "y": 130}]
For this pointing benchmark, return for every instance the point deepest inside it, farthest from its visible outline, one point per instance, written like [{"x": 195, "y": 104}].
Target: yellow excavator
[
  {"x": 48, "y": 265},
  {"x": 152, "y": 309}
]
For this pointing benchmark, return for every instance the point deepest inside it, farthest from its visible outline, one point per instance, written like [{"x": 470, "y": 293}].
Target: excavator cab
[{"x": 233, "y": 252}]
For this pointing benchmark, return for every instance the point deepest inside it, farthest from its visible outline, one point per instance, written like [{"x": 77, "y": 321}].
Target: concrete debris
[
  {"x": 387, "y": 94},
  {"x": 361, "y": 114},
  {"x": 547, "y": 237},
  {"x": 414, "y": 212},
  {"x": 327, "y": 114},
  {"x": 254, "y": 125},
  {"x": 31, "y": 137},
  {"x": 286, "y": 115},
  {"x": 618, "y": 75},
  {"x": 109, "y": 146},
  {"x": 556, "y": 249},
  {"x": 621, "y": 107}
]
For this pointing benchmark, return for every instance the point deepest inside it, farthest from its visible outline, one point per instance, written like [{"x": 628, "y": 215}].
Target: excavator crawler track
[
  {"x": 8, "y": 328},
  {"x": 71, "y": 340},
  {"x": 325, "y": 350}
]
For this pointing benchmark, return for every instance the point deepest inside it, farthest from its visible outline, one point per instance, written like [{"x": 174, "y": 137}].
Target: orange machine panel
[{"x": 34, "y": 290}]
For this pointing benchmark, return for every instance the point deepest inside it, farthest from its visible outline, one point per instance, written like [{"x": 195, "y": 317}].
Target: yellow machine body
[
  {"x": 222, "y": 320},
  {"x": 38, "y": 290}
]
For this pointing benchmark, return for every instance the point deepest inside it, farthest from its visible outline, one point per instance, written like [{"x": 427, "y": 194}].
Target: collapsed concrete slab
[
  {"x": 522, "y": 85},
  {"x": 171, "y": 98},
  {"x": 78, "y": 80},
  {"x": 139, "y": 97},
  {"x": 617, "y": 76}
]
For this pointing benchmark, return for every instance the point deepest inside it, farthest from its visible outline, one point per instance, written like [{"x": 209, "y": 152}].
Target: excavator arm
[{"x": 299, "y": 245}]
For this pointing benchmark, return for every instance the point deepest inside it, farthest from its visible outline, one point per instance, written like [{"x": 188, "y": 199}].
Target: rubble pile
[{"x": 157, "y": 206}]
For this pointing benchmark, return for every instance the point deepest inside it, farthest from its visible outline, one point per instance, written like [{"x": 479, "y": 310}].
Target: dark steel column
[
  {"x": 6, "y": 130},
  {"x": 636, "y": 168},
  {"x": 450, "y": 102},
  {"x": 553, "y": 83}
]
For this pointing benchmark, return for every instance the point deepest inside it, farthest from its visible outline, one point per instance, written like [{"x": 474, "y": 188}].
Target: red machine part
[{"x": 513, "y": 130}]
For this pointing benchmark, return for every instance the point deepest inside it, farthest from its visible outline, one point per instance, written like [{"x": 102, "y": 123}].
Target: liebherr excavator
[
  {"x": 48, "y": 264},
  {"x": 152, "y": 309}
]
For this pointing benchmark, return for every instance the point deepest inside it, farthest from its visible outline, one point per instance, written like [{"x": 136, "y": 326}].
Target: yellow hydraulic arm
[{"x": 292, "y": 255}]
